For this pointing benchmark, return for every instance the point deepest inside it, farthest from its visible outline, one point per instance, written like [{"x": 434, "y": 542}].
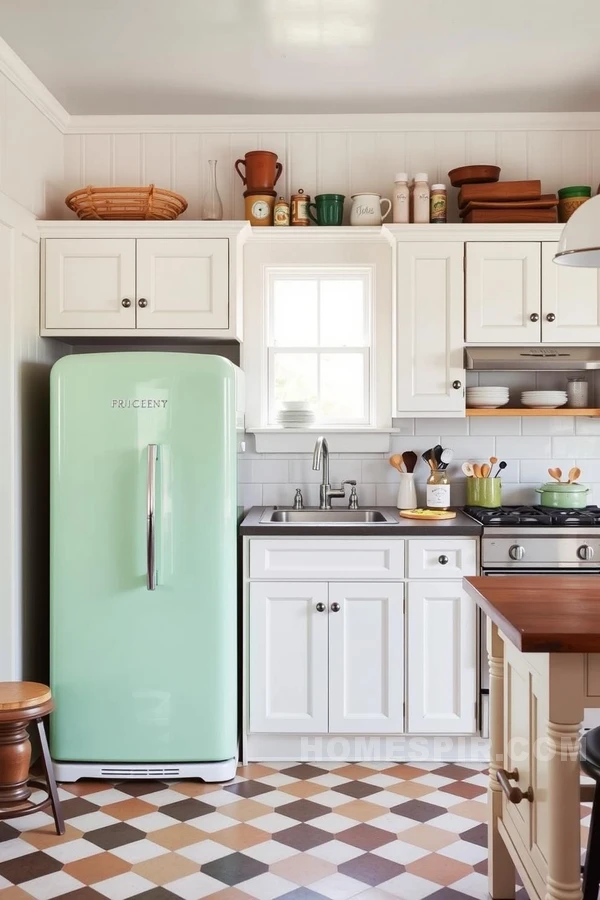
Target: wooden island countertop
[{"x": 542, "y": 613}]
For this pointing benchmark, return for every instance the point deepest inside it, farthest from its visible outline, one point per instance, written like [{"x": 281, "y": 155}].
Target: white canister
[
  {"x": 366, "y": 209},
  {"x": 577, "y": 393},
  {"x": 401, "y": 199},
  {"x": 421, "y": 199},
  {"x": 407, "y": 494}
]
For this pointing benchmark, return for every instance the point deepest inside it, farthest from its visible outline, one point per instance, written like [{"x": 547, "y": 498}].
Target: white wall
[{"x": 327, "y": 153}]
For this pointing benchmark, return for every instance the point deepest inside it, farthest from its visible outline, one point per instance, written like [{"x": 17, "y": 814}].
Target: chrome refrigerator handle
[{"x": 150, "y": 517}]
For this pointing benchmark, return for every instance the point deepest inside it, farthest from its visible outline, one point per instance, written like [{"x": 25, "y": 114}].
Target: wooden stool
[{"x": 22, "y": 702}]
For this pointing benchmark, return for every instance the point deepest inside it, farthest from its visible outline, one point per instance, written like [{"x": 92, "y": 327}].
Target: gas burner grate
[{"x": 536, "y": 516}]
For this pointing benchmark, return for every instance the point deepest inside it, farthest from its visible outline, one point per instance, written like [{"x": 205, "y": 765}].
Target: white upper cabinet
[
  {"x": 503, "y": 292},
  {"x": 181, "y": 283},
  {"x": 570, "y": 301},
  {"x": 430, "y": 323},
  {"x": 441, "y": 648},
  {"x": 90, "y": 283},
  {"x": 288, "y": 653},
  {"x": 366, "y": 659}
]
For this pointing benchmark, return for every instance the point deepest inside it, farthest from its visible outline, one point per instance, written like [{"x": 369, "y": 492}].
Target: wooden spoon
[
  {"x": 396, "y": 462},
  {"x": 493, "y": 461},
  {"x": 555, "y": 473},
  {"x": 485, "y": 471},
  {"x": 467, "y": 469},
  {"x": 410, "y": 459},
  {"x": 476, "y": 470},
  {"x": 574, "y": 474}
]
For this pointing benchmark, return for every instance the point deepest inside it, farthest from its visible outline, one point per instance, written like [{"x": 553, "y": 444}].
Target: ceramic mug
[
  {"x": 366, "y": 209},
  {"x": 329, "y": 209},
  {"x": 261, "y": 170}
]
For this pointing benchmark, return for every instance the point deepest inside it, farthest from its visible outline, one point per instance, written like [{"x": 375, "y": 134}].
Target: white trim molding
[{"x": 13, "y": 67}]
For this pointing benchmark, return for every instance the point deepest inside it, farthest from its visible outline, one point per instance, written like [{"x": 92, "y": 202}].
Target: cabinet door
[
  {"x": 288, "y": 657},
  {"x": 430, "y": 317},
  {"x": 87, "y": 281},
  {"x": 571, "y": 297},
  {"x": 441, "y": 671},
  {"x": 366, "y": 658},
  {"x": 183, "y": 283},
  {"x": 503, "y": 292}
]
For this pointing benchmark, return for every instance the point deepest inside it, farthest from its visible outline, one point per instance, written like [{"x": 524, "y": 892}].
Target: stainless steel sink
[{"x": 325, "y": 516}]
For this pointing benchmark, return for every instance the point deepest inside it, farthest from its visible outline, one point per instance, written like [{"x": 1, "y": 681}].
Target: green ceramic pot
[
  {"x": 563, "y": 496},
  {"x": 484, "y": 492}
]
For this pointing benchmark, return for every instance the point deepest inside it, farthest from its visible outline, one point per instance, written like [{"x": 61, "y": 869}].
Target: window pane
[
  {"x": 295, "y": 378},
  {"x": 343, "y": 313},
  {"x": 342, "y": 387},
  {"x": 295, "y": 312}
]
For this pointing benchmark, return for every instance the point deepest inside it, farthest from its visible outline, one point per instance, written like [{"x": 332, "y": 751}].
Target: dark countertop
[
  {"x": 461, "y": 526},
  {"x": 542, "y": 613}
]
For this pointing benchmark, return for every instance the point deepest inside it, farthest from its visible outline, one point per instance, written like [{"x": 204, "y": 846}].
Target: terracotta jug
[{"x": 262, "y": 170}]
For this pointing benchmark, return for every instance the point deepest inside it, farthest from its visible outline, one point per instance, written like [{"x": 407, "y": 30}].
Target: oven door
[{"x": 484, "y": 671}]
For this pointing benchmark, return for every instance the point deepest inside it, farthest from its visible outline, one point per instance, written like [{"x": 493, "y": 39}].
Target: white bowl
[{"x": 302, "y": 405}]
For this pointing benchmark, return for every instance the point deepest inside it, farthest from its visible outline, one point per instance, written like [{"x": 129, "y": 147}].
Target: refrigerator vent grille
[{"x": 140, "y": 772}]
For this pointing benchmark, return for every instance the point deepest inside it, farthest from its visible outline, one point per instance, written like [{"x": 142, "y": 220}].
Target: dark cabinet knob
[
  {"x": 126, "y": 303},
  {"x": 457, "y": 385},
  {"x": 534, "y": 317},
  {"x": 550, "y": 317},
  {"x": 142, "y": 302},
  {"x": 335, "y": 607},
  {"x": 320, "y": 607},
  {"x": 443, "y": 560}
]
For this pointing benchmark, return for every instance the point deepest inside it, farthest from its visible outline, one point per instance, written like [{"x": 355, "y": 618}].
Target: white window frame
[
  {"x": 309, "y": 250},
  {"x": 322, "y": 273}
]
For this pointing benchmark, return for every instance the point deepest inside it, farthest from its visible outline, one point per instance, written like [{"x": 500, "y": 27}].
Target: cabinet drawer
[
  {"x": 326, "y": 559},
  {"x": 442, "y": 559}
]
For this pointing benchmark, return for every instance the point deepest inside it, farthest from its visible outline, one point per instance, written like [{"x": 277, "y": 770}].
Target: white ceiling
[{"x": 310, "y": 56}]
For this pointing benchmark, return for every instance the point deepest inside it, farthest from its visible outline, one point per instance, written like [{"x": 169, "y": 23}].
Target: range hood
[{"x": 522, "y": 358}]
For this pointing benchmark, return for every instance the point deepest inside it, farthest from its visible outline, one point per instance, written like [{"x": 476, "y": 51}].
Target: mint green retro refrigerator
[{"x": 143, "y": 597}]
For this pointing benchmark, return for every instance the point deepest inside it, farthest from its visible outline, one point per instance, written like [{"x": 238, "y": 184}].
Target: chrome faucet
[{"x": 326, "y": 492}]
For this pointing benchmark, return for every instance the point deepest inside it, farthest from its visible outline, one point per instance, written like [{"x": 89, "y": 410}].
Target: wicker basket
[{"x": 120, "y": 203}]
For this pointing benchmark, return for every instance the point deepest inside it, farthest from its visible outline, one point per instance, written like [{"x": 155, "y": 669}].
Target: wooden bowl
[{"x": 473, "y": 175}]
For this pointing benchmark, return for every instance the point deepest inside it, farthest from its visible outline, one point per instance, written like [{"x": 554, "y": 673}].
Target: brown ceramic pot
[{"x": 261, "y": 168}]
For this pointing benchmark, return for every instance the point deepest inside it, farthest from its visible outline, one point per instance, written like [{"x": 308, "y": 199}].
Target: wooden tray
[
  {"x": 501, "y": 216},
  {"x": 427, "y": 515},
  {"x": 473, "y": 175},
  {"x": 548, "y": 201},
  {"x": 500, "y": 190}
]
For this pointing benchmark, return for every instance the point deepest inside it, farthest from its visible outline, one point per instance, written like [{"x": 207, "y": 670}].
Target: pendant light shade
[{"x": 579, "y": 243}]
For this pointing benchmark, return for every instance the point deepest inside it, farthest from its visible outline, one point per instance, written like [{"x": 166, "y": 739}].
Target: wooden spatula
[
  {"x": 556, "y": 474},
  {"x": 574, "y": 474},
  {"x": 485, "y": 471},
  {"x": 410, "y": 459},
  {"x": 396, "y": 462}
]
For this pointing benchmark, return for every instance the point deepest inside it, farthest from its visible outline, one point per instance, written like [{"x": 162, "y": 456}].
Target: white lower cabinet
[
  {"x": 366, "y": 658},
  {"x": 288, "y": 657},
  {"x": 441, "y": 652}
]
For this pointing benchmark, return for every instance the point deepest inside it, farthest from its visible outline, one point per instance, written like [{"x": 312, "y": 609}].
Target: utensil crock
[
  {"x": 407, "y": 495},
  {"x": 485, "y": 492}
]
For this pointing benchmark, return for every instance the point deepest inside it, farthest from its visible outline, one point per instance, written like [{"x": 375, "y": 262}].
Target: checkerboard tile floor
[{"x": 292, "y": 830}]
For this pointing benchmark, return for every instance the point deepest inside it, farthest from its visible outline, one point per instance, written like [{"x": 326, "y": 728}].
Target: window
[{"x": 319, "y": 342}]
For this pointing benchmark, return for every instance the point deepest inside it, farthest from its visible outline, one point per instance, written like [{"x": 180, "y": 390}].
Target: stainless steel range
[{"x": 534, "y": 540}]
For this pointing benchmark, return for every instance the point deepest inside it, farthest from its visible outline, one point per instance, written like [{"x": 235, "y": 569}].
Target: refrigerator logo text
[{"x": 139, "y": 404}]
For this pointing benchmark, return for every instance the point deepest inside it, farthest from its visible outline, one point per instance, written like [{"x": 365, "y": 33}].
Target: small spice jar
[
  {"x": 439, "y": 204},
  {"x": 281, "y": 214},
  {"x": 570, "y": 199},
  {"x": 299, "y": 208}
]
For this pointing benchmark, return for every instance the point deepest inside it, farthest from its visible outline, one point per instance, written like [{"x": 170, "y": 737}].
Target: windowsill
[{"x": 341, "y": 439}]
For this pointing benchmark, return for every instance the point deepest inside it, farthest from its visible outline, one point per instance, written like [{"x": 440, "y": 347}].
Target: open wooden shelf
[{"x": 561, "y": 411}]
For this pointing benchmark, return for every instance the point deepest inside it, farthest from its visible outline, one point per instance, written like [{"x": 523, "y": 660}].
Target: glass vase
[{"x": 212, "y": 207}]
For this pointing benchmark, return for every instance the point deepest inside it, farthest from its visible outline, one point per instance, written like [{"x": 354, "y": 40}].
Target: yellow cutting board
[{"x": 427, "y": 514}]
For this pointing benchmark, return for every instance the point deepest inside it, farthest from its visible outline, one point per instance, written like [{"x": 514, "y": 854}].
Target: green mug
[{"x": 329, "y": 209}]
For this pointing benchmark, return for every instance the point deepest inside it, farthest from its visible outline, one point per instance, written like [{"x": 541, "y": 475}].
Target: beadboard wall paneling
[
  {"x": 322, "y": 160},
  {"x": 31, "y": 154}
]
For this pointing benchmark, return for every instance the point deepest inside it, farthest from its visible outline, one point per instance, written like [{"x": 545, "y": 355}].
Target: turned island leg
[{"x": 501, "y": 870}]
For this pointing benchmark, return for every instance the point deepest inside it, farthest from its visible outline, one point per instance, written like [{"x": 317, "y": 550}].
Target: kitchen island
[{"x": 544, "y": 653}]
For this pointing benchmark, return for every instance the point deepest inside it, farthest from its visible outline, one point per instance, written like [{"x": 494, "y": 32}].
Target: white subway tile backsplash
[
  {"x": 537, "y": 469},
  {"x": 552, "y": 425},
  {"x": 524, "y": 447},
  {"x": 578, "y": 447},
  {"x": 283, "y": 494},
  {"x": 519, "y": 494},
  {"x": 478, "y": 449},
  {"x": 367, "y": 494},
  {"x": 493, "y": 425},
  {"x": 378, "y": 471},
  {"x": 386, "y": 494},
  {"x": 301, "y": 470},
  {"x": 270, "y": 470},
  {"x": 435, "y": 426},
  {"x": 585, "y": 425},
  {"x": 250, "y": 495}
]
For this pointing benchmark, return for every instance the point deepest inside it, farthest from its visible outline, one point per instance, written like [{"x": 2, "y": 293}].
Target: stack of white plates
[
  {"x": 295, "y": 414},
  {"x": 484, "y": 397},
  {"x": 543, "y": 399}
]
